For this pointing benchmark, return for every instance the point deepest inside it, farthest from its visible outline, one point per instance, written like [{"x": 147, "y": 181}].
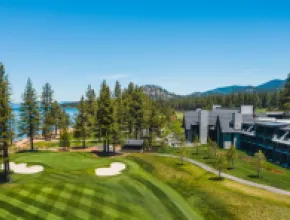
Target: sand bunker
[
  {"x": 23, "y": 169},
  {"x": 115, "y": 169}
]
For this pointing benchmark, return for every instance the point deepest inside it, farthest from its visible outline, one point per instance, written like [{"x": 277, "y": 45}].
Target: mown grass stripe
[
  {"x": 170, "y": 206},
  {"x": 70, "y": 205},
  {"x": 136, "y": 205},
  {"x": 4, "y": 214},
  {"x": 18, "y": 208},
  {"x": 42, "y": 208},
  {"x": 155, "y": 205}
]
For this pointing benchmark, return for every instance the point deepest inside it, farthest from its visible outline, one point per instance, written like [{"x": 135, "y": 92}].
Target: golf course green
[
  {"x": 69, "y": 188},
  {"x": 151, "y": 187}
]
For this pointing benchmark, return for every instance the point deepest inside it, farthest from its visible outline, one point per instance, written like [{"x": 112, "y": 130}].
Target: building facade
[{"x": 241, "y": 128}]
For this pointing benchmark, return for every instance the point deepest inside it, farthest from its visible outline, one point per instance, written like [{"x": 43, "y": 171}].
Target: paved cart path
[{"x": 231, "y": 177}]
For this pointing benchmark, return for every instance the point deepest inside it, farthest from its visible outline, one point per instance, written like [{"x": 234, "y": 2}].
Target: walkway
[{"x": 231, "y": 177}]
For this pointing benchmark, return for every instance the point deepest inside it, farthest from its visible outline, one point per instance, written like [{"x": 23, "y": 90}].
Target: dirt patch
[
  {"x": 279, "y": 172},
  {"x": 245, "y": 158}
]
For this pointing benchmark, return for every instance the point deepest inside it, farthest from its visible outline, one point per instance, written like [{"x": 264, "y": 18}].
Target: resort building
[
  {"x": 214, "y": 124},
  {"x": 240, "y": 127}
]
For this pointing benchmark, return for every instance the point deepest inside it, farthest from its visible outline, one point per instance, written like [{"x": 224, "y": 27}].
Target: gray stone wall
[
  {"x": 203, "y": 126},
  {"x": 237, "y": 120},
  {"x": 247, "y": 109}
]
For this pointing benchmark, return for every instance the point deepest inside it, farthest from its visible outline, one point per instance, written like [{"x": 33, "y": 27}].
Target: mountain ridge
[{"x": 156, "y": 91}]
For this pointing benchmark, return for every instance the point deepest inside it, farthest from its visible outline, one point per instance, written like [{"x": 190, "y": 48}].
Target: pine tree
[
  {"x": 118, "y": 90},
  {"x": 65, "y": 137},
  {"x": 137, "y": 110},
  {"x": 130, "y": 108},
  {"x": 29, "y": 114},
  {"x": 46, "y": 103},
  {"x": 116, "y": 134},
  {"x": 91, "y": 109},
  {"x": 154, "y": 123},
  {"x": 5, "y": 119},
  {"x": 285, "y": 95},
  {"x": 64, "y": 121},
  {"x": 81, "y": 122},
  {"x": 55, "y": 114},
  {"x": 105, "y": 114}
]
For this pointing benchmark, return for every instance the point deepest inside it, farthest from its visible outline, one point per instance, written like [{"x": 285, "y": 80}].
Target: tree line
[
  {"x": 114, "y": 116},
  {"x": 268, "y": 100},
  {"x": 111, "y": 116}
]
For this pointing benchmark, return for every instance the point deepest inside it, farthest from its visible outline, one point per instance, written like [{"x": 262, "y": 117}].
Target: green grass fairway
[
  {"x": 152, "y": 187},
  {"x": 69, "y": 189}
]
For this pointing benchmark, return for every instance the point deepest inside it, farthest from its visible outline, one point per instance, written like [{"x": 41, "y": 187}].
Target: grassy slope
[
  {"x": 216, "y": 199},
  {"x": 68, "y": 188},
  {"x": 274, "y": 175}
]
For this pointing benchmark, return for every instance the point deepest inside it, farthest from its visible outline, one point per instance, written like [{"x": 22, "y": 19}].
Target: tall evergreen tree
[
  {"x": 138, "y": 108},
  {"x": 105, "y": 114},
  {"x": 116, "y": 134},
  {"x": 55, "y": 114},
  {"x": 81, "y": 122},
  {"x": 29, "y": 114},
  {"x": 285, "y": 95},
  {"x": 118, "y": 90},
  {"x": 5, "y": 119},
  {"x": 46, "y": 103},
  {"x": 91, "y": 109},
  {"x": 65, "y": 137},
  {"x": 155, "y": 123}
]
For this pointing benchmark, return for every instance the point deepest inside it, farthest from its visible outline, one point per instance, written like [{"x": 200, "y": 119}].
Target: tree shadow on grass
[
  {"x": 216, "y": 178},
  {"x": 179, "y": 164},
  {"x": 254, "y": 176},
  {"x": 106, "y": 154},
  {"x": 3, "y": 178},
  {"x": 30, "y": 151},
  {"x": 196, "y": 154}
]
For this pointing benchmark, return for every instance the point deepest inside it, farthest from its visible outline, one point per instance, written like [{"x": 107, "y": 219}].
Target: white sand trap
[
  {"x": 115, "y": 169},
  {"x": 23, "y": 169}
]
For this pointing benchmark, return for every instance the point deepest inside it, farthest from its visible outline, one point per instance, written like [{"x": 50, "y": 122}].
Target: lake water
[{"x": 71, "y": 111}]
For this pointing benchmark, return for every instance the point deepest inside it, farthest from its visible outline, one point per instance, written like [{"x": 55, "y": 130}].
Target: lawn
[
  {"x": 261, "y": 110},
  {"x": 69, "y": 188},
  {"x": 152, "y": 187},
  {"x": 273, "y": 175}
]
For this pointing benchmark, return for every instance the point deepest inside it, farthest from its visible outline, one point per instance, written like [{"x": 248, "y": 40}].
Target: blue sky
[{"x": 184, "y": 46}]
